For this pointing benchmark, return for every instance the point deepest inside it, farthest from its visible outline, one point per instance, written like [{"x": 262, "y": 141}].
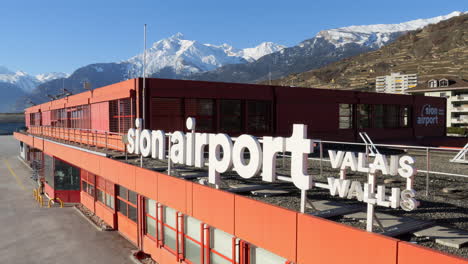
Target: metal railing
[
  {"x": 90, "y": 137},
  {"x": 430, "y": 161}
]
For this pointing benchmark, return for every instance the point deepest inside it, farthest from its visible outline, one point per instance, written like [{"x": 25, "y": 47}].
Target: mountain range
[
  {"x": 178, "y": 57},
  {"x": 436, "y": 51},
  {"x": 326, "y": 47}
]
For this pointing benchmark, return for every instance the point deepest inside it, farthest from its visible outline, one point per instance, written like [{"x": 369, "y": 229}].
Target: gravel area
[{"x": 94, "y": 218}]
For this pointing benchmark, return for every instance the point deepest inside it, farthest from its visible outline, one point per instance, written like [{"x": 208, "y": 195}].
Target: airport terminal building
[{"x": 79, "y": 142}]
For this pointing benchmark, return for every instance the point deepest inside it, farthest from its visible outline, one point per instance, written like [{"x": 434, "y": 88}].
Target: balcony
[
  {"x": 460, "y": 120},
  {"x": 459, "y": 109},
  {"x": 462, "y": 97},
  {"x": 82, "y": 137}
]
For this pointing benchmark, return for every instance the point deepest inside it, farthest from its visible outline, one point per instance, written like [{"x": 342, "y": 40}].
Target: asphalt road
[{"x": 30, "y": 234}]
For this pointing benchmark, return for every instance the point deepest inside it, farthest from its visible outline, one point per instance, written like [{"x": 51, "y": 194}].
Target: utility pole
[{"x": 144, "y": 88}]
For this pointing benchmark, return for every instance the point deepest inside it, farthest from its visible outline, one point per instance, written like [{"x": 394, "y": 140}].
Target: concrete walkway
[{"x": 30, "y": 234}]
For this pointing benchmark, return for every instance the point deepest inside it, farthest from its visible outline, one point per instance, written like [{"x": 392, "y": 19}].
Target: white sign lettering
[{"x": 224, "y": 154}]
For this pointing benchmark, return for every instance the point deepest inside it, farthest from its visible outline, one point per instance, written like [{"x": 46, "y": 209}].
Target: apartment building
[
  {"x": 456, "y": 92},
  {"x": 395, "y": 83}
]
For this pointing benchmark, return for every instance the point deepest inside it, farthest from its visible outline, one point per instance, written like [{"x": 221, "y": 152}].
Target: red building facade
[{"x": 178, "y": 221}]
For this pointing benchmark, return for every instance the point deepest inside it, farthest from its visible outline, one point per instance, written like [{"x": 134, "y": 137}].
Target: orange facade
[{"x": 300, "y": 238}]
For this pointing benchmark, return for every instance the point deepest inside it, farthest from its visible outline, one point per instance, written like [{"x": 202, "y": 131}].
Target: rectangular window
[
  {"x": 345, "y": 116},
  {"x": 259, "y": 116},
  {"x": 379, "y": 116},
  {"x": 67, "y": 177},
  {"x": 221, "y": 247},
  {"x": 167, "y": 114},
  {"x": 230, "y": 116},
  {"x": 169, "y": 228},
  {"x": 364, "y": 115},
  {"x": 105, "y": 192},
  {"x": 121, "y": 115},
  {"x": 261, "y": 256},
  {"x": 125, "y": 206},
  {"x": 122, "y": 207},
  {"x": 110, "y": 201},
  {"x": 405, "y": 116},
  {"x": 84, "y": 186},
  {"x": 49, "y": 170},
  {"x": 392, "y": 116},
  {"x": 151, "y": 217},
  {"x": 192, "y": 239},
  {"x": 87, "y": 183},
  {"x": 101, "y": 196},
  {"x": 203, "y": 111}
]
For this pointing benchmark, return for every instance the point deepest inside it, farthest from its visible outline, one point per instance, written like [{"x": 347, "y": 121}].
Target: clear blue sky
[{"x": 63, "y": 35}]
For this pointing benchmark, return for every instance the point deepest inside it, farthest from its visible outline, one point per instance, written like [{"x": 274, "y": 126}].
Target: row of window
[
  {"x": 195, "y": 242},
  {"x": 121, "y": 116},
  {"x": 232, "y": 116},
  {"x": 374, "y": 116},
  {"x": 99, "y": 188}
]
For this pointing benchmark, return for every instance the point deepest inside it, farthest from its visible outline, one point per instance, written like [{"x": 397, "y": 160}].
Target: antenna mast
[{"x": 144, "y": 79}]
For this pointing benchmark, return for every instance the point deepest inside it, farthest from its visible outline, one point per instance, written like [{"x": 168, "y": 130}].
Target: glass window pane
[
  {"x": 262, "y": 256},
  {"x": 205, "y": 107},
  {"x": 259, "y": 116},
  {"x": 364, "y": 112},
  {"x": 91, "y": 189},
  {"x": 132, "y": 213},
  {"x": 346, "y": 116},
  {"x": 216, "y": 259},
  {"x": 66, "y": 176},
  {"x": 221, "y": 242},
  {"x": 132, "y": 197},
  {"x": 151, "y": 226},
  {"x": 123, "y": 192},
  {"x": 378, "y": 116},
  {"x": 110, "y": 200},
  {"x": 192, "y": 228},
  {"x": 192, "y": 251},
  {"x": 101, "y": 196},
  {"x": 49, "y": 170},
  {"x": 170, "y": 216},
  {"x": 230, "y": 116},
  {"x": 150, "y": 207},
  {"x": 84, "y": 186},
  {"x": 169, "y": 238},
  {"x": 122, "y": 207}
]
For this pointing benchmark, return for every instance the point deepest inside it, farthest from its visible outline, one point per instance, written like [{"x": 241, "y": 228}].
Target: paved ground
[{"x": 29, "y": 234}]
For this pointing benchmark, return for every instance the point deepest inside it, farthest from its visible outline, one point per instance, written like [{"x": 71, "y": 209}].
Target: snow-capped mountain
[
  {"x": 45, "y": 77},
  {"x": 182, "y": 57},
  {"x": 178, "y": 57},
  {"x": 265, "y": 48},
  {"x": 376, "y": 35},
  {"x": 24, "y": 81},
  {"x": 325, "y": 47}
]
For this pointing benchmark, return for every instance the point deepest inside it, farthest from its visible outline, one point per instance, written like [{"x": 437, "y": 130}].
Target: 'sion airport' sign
[{"x": 225, "y": 154}]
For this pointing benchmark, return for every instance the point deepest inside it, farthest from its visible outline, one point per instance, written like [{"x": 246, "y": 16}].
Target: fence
[
  {"x": 90, "y": 137},
  {"x": 430, "y": 161}
]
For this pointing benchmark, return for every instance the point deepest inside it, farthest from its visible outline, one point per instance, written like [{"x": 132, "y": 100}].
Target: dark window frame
[{"x": 127, "y": 203}]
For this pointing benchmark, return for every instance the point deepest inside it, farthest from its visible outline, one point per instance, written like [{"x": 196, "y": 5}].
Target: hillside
[
  {"x": 437, "y": 50},
  {"x": 326, "y": 47}
]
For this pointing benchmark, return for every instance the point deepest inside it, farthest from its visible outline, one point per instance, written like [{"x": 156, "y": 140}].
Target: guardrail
[
  {"x": 90, "y": 137},
  {"x": 425, "y": 160}
]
